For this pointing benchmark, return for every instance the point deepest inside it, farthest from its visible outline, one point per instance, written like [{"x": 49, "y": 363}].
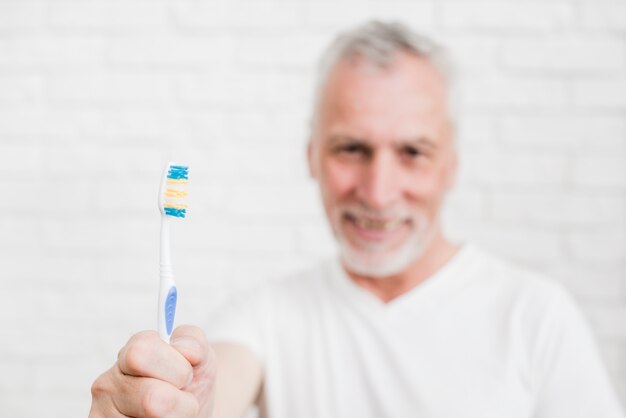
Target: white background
[{"x": 96, "y": 95}]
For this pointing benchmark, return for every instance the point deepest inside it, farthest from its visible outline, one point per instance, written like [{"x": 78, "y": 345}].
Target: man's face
[{"x": 382, "y": 153}]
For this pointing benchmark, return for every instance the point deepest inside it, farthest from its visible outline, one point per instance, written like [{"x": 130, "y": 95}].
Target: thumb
[{"x": 191, "y": 342}]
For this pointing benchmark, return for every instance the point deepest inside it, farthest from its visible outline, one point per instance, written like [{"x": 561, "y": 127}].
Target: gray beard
[{"x": 367, "y": 265}]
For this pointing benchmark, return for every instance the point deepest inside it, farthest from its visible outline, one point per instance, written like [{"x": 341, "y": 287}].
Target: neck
[{"x": 438, "y": 253}]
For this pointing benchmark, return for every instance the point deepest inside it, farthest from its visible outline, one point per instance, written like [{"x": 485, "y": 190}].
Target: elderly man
[{"x": 403, "y": 323}]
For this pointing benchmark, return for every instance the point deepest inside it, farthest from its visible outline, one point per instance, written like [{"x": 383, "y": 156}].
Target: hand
[{"x": 154, "y": 379}]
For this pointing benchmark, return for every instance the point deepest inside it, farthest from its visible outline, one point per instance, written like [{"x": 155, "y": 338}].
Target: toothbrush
[{"x": 172, "y": 198}]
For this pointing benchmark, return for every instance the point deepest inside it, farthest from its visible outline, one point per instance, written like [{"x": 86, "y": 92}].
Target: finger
[
  {"x": 148, "y": 397},
  {"x": 192, "y": 343},
  {"x": 146, "y": 355},
  {"x": 103, "y": 390}
]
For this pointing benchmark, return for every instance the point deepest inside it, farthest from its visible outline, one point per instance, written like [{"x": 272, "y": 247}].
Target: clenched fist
[{"x": 154, "y": 379}]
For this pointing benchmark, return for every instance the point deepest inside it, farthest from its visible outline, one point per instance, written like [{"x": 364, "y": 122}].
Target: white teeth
[{"x": 377, "y": 224}]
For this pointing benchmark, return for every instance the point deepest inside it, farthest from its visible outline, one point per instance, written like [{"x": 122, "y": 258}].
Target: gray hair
[{"x": 378, "y": 43}]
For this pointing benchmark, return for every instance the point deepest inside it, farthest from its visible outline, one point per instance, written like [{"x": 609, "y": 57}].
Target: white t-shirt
[{"x": 478, "y": 339}]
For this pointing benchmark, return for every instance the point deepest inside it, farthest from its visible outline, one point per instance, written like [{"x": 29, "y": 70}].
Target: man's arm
[
  {"x": 570, "y": 378},
  {"x": 239, "y": 380}
]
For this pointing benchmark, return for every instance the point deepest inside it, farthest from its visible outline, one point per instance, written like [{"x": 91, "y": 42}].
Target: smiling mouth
[{"x": 375, "y": 225}]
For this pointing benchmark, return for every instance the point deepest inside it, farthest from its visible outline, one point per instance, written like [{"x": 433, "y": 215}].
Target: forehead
[{"x": 408, "y": 95}]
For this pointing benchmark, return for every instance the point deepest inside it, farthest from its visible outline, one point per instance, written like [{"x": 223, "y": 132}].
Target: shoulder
[
  {"x": 520, "y": 295},
  {"x": 509, "y": 277}
]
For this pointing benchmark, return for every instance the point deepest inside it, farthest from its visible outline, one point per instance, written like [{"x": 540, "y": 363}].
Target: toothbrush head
[{"x": 173, "y": 193}]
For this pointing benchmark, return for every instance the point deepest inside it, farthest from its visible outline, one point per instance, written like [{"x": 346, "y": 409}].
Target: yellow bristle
[
  {"x": 176, "y": 193},
  {"x": 174, "y": 206},
  {"x": 177, "y": 181}
]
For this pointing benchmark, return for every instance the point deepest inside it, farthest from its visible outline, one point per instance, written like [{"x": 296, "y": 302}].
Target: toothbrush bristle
[
  {"x": 177, "y": 213},
  {"x": 174, "y": 195},
  {"x": 178, "y": 172}
]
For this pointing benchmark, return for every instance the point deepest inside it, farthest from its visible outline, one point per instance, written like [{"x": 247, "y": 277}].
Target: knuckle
[
  {"x": 101, "y": 386},
  {"x": 134, "y": 358},
  {"x": 105, "y": 384},
  {"x": 159, "y": 401}
]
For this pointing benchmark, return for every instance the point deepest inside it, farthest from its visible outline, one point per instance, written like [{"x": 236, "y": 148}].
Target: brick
[
  {"x": 568, "y": 133},
  {"x": 592, "y": 284},
  {"x": 124, "y": 198},
  {"x": 475, "y": 55},
  {"x": 276, "y": 200},
  {"x": 316, "y": 239},
  {"x": 98, "y": 236},
  {"x": 475, "y": 131},
  {"x": 600, "y": 172},
  {"x": 168, "y": 51},
  {"x": 36, "y": 122},
  {"x": 21, "y": 15},
  {"x": 45, "y": 52},
  {"x": 21, "y": 199},
  {"x": 257, "y": 162},
  {"x": 117, "y": 14},
  {"x": 64, "y": 197},
  {"x": 504, "y": 169},
  {"x": 15, "y": 378},
  {"x": 284, "y": 126},
  {"x": 19, "y": 235},
  {"x": 62, "y": 271},
  {"x": 133, "y": 274},
  {"x": 20, "y": 159},
  {"x": 237, "y": 237},
  {"x": 143, "y": 126},
  {"x": 466, "y": 203},
  {"x": 298, "y": 51},
  {"x": 96, "y": 161},
  {"x": 501, "y": 92},
  {"x": 339, "y": 15},
  {"x": 253, "y": 90},
  {"x": 522, "y": 244},
  {"x": 21, "y": 89},
  {"x": 206, "y": 127},
  {"x": 607, "y": 244},
  {"x": 552, "y": 209},
  {"x": 606, "y": 93},
  {"x": 603, "y": 15},
  {"x": 110, "y": 88},
  {"x": 247, "y": 15},
  {"x": 533, "y": 16},
  {"x": 563, "y": 56}
]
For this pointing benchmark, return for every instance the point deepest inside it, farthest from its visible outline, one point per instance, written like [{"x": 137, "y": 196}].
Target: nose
[{"x": 380, "y": 185}]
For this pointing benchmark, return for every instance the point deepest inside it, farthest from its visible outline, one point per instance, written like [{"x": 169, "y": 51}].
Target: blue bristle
[
  {"x": 178, "y": 172},
  {"x": 178, "y": 213}
]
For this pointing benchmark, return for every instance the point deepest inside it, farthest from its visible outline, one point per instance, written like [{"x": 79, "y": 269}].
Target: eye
[
  {"x": 411, "y": 151},
  {"x": 354, "y": 149}
]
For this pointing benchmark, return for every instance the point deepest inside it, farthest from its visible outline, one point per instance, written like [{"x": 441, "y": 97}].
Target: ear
[
  {"x": 310, "y": 154},
  {"x": 453, "y": 166},
  {"x": 453, "y": 158}
]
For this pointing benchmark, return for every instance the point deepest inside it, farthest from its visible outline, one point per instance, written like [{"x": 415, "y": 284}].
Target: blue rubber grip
[{"x": 170, "y": 310}]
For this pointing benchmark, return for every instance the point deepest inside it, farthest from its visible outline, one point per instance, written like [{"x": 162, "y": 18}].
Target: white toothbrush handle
[{"x": 167, "y": 287}]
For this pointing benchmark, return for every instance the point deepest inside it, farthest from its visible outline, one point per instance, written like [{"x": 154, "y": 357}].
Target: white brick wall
[{"x": 95, "y": 95}]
